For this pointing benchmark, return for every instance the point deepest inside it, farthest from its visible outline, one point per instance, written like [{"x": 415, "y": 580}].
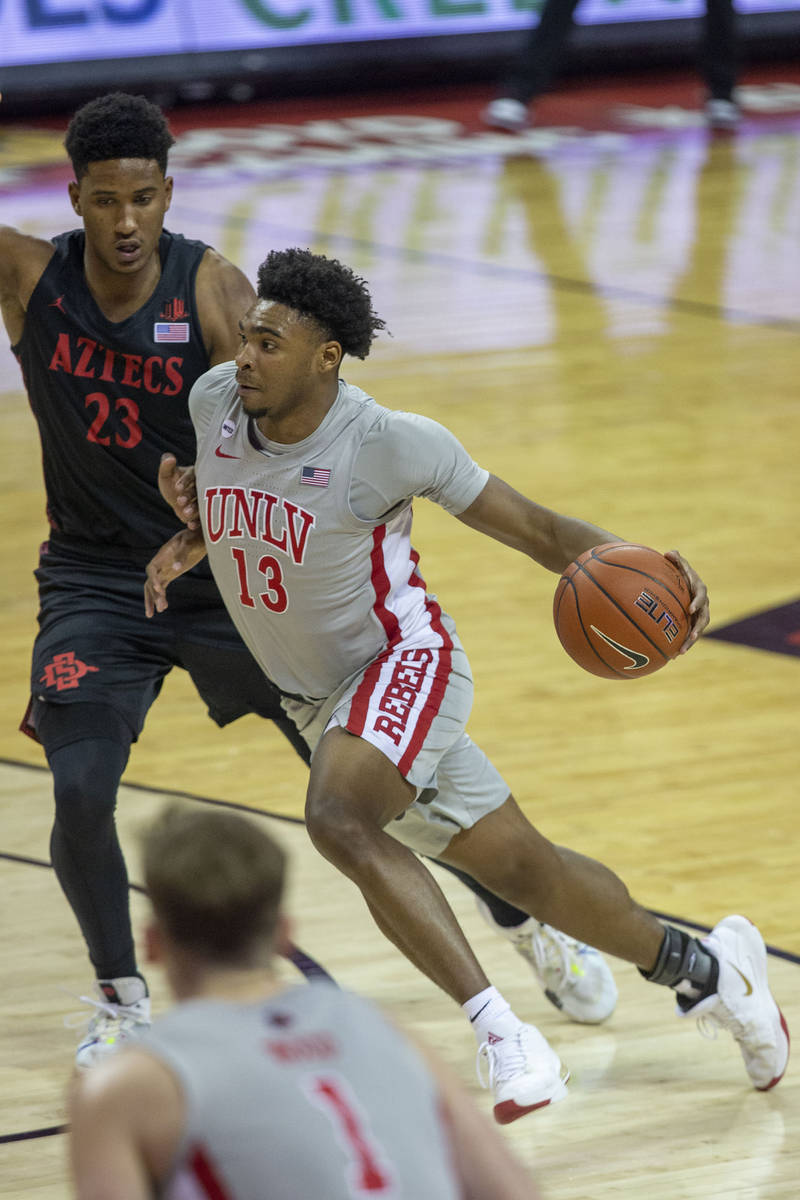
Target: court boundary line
[{"x": 776, "y": 951}]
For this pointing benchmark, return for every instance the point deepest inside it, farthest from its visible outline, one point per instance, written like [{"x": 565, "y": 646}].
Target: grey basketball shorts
[{"x": 412, "y": 704}]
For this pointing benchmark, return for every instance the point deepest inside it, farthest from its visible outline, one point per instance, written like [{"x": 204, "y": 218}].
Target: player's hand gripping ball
[{"x": 622, "y": 610}]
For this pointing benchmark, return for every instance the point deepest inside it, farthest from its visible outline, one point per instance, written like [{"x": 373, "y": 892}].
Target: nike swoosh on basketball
[
  {"x": 744, "y": 980},
  {"x": 637, "y": 659},
  {"x": 220, "y": 453}
]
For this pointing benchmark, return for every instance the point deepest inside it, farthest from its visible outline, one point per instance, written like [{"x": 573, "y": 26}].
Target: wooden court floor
[{"x": 610, "y": 323}]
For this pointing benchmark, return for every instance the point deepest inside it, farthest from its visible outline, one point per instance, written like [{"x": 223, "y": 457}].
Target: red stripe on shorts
[
  {"x": 359, "y": 707},
  {"x": 391, "y": 626},
  {"x": 438, "y": 688},
  {"x": 207, "y": 1177}
]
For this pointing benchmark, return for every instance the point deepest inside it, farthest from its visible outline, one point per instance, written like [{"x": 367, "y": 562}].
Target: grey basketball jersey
[
  {"x": 309, "y": 1094},
  {"x": 316, "y": 589}
]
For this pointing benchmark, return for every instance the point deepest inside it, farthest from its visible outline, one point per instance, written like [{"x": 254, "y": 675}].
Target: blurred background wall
[{"x": 54, "y": 54}]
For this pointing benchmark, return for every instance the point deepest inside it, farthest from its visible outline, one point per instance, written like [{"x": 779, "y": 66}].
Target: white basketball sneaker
[
  {"x": 525, "y": 1073},
  {"x": 574, "y": 977},
  {"x": 722, "y": 114},
  {"x": 743, "y": 1003},
  {"x": 123, "y": 1012}
]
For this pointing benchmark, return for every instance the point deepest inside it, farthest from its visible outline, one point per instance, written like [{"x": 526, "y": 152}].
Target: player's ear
[
  {"x": 167, "y": 192},
  {"x": 330, "y": 356},
  {"x": 153, "y": 943},
  {"x": 283, "y": 936},
  {"x": 75, "y": 197}
]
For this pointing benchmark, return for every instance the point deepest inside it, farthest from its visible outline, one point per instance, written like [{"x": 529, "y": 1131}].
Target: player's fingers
[
  {"x": 698, "y": 607},
  {"x": 152, "y": 600},
  {"x": 186, "y": 483},
  {"x": 155, "y": 588}
]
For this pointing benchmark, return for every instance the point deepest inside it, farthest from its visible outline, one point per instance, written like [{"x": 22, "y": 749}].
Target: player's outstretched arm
[
  {"x": 548, "y": 537},
  {"x": 224, "y": 294},
  {"x": 182, "y": 552},
  {"x": 554, "y": 540}
]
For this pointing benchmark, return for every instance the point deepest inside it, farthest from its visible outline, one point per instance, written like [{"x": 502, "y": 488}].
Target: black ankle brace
[{"x": 684, "y": 959}]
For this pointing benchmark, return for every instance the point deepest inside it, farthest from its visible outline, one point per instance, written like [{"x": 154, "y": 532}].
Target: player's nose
[{"x": 126, "y": 220}]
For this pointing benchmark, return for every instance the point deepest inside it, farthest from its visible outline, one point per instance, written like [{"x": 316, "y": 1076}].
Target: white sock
[{"x": 489, "y": 1013}]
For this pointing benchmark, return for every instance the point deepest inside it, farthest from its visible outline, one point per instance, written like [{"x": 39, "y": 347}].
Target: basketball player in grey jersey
[
  {"x": 250, "y": 1088},
  {"x": 304, "y": 489}
]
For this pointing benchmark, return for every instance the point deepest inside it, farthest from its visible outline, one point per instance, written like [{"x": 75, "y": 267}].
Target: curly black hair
[
  {"x": 325, "y": 291},
  {"x": 117, "y": 126}
]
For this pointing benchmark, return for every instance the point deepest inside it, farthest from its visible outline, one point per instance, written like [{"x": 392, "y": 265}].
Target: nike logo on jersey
[
  {"x": 57, "y": 303},
  {"x": 637, "y": 660},
  {"x": 220, "y": 453},
  {"x": 748, "y": 985}
]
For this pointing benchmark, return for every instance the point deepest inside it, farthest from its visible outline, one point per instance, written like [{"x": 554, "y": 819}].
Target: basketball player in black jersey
[{"x": 112, "y": 324}]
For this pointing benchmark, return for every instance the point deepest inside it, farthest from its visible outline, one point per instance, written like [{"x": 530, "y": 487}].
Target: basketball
[{"x": 622, "y": 610}]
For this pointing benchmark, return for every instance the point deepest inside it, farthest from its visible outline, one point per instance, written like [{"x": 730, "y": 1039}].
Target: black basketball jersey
[{"x": 110, "y": 397}]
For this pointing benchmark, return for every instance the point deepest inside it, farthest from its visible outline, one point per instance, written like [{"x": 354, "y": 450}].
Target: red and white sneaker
[
  {"x": 525, "y": 1073},
  {"x": 743, "y": 1003}
]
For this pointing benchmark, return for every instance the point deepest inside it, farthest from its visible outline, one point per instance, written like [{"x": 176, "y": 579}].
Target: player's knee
[
  {"x": 86, "y": 776},
  {"x": 337, "y": 832}
]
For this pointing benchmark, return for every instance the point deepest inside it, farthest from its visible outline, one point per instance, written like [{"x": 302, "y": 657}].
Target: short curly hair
[
  {"x": 117, "y": 125},
  {"x": 325, "y": 291}
]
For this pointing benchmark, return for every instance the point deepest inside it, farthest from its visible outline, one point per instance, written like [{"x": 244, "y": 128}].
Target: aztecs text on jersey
[{"x": 111, "y": 397}]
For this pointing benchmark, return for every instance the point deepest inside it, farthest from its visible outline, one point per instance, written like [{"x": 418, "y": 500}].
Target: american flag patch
[
  {"x": 171, "y": 331},
  {"x": 315, "y": 476}
]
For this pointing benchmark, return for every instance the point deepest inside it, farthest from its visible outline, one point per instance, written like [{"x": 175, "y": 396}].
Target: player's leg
[
  {"x": 589, "y": 901},
  {"x": 556, "y": 885},
  {"x": 97, "y": 666},
  {"x": 574, "y": 977},
  {"x": 533, "y": 69},
  {"x": 718, "y": 63},
  {"x": 87, "y": 747},
  {"x": 354, "y": 792}
]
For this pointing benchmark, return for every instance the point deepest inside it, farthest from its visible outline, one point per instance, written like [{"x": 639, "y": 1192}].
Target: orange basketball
[{"x": 622, "y": 610}]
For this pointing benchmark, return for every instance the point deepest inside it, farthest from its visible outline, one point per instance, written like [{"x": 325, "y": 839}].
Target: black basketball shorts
[{"x": 95, "y": 644}]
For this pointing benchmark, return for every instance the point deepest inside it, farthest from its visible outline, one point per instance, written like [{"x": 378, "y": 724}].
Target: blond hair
[{"x": 215, "y": 881}]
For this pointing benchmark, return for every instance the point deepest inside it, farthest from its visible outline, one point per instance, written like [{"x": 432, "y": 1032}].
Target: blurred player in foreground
[{"x": 250, "y": 1087}]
